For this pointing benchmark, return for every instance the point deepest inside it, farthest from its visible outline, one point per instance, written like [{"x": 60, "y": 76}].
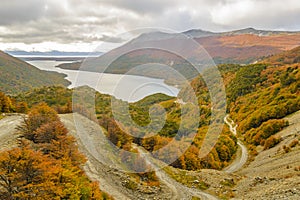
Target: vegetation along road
[{"x": 242, "y": 154}]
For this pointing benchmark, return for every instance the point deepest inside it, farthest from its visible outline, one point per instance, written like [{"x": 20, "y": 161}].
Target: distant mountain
[
  {"x": 256, "y": 32},
  {"x": 52, "y": 54},
  {"x": 198, "y": 33},
  {"x": 17, "y": 76},
  {"x": 240, "y": 46}
]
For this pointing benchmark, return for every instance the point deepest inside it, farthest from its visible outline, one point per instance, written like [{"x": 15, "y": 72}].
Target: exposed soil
[
  {"x": 8, "y": 132},
  {"x": 111, "y": 180},
  {"x": 274, "y": 174}
]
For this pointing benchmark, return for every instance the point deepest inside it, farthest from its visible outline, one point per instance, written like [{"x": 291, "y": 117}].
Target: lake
[{"x": 126, "y": 87}]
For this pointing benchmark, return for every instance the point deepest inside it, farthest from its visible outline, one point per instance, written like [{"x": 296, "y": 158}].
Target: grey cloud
[
  {"x": 14, "y": 11},
  {"x": 144, "y": 6},
  {"x": 264, "y": 14},
  {"x": 71, "y": 21},
  {"x": 57, "y": 33},
  {"x": 140, "y": 6},
  {"x": 111, "y": 39}
]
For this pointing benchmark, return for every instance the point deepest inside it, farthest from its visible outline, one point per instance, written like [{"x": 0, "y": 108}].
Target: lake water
[{"x": 126, "y": 87}]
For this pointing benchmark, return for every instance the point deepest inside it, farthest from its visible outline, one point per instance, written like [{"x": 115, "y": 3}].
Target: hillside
[
  {"x": 274, "y": 174},
  {"x": 263, "y": 101},
  {"x": 18, "y": 76},
  {"x": 241, "y": 46},
  {"x": 287, "y": 57}
]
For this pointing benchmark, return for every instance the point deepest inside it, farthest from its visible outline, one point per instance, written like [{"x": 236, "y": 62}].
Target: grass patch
[
  {"x": 186, "y": 179},
  {"x": 130, "y": 184},
  {"x": 228, "y": 182}
]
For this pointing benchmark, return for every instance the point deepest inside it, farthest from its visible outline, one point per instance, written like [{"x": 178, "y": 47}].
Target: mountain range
[
  {"x": 20, "y": 53},
  {"x": 243, "y": 46}
]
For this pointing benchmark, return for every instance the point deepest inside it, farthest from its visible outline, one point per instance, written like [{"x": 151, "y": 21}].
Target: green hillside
[{"x": 18, "y": 76}]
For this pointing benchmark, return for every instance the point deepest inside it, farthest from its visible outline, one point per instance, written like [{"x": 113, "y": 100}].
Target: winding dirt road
[
  {"x": 242, "y": 153},
  {"x": 95, "y": 170},
  {"x": 180, "y": 191},
  {"x": 109, "y": 178}
]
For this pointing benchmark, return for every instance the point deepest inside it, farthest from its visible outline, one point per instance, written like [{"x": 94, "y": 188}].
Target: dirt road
[
  {"x": 111, "y": 179},
  {"x": 180, "y": 191},
  {"x": 8, "y": 129},
  {"x": 101, "y": 165},
  {"x": 242, "y": 153}
]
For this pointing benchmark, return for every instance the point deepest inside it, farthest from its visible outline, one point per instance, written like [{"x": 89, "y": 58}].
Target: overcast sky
[{"x": 79, "y": 25}]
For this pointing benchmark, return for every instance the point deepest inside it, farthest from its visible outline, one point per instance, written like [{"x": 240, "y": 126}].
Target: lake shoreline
[{"x": 129, "y": 88}]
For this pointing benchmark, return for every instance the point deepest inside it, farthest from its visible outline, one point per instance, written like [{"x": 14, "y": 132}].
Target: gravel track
[{"x": 242, "y": 153}]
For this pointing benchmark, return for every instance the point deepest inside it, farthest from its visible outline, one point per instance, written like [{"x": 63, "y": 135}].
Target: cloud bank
[{"x": 67, "y": 24}]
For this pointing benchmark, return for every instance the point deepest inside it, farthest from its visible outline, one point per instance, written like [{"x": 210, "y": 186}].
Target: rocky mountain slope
[{"x": 274, "y": 173}]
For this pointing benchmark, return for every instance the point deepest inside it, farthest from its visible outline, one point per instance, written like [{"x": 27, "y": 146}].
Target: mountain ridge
[
  {"x": 243, "y": 46},
  {"x": 196, "y": 33},
  {"x": 18, "y": 76}
]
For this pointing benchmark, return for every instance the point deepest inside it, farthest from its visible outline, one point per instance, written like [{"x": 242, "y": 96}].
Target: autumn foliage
[
  {"x": 274, "y": 94},
  {"x": 47, "y": 163},
  {"x": 5, "y": 103}
]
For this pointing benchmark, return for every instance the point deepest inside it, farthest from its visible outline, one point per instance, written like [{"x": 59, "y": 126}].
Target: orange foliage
[{"x": 47, "y": 165}]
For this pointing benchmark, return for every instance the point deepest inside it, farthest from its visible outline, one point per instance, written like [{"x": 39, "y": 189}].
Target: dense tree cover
[
  {"x": 245, "y": 81},
  {"x": 9, "y": 104},
  {"x": 129, "y": 156},
  {"x": 38, "y": 116},
  {"x": 47, "y": 164},
  {"x": 258, "y": 135},
  {"x": 5, "y": 103},
  {"x": 60, "y": 99},
  {"x": 114, "y": 133},
  {"x": 221, "y": 154},
  {"x": 57, "y": 97},
  {"x": 274, "y": 96}
]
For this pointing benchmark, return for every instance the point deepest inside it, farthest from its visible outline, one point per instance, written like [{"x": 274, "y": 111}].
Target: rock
[{"x": 196, "y": 181}]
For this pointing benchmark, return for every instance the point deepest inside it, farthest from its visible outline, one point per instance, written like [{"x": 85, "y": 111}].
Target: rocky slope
[{"x": 275, "y": 173}]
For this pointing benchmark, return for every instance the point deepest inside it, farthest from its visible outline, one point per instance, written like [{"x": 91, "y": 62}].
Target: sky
[{"x": 83, "y": 25}]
